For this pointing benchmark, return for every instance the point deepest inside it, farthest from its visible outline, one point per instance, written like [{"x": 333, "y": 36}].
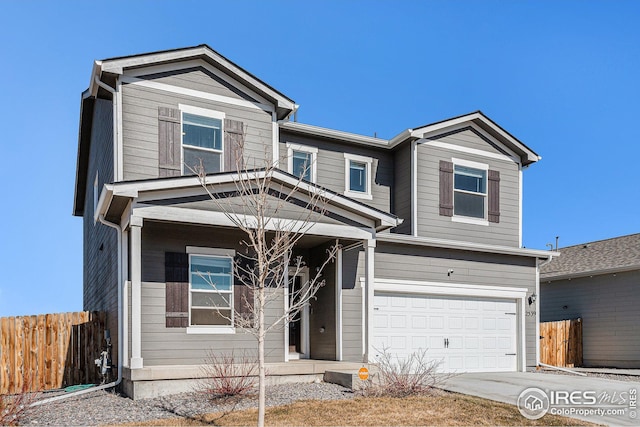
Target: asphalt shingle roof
[{"x": 618, "y": 253}]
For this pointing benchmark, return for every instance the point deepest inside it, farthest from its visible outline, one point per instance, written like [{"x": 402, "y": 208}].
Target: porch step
[{"x": 347, "y": 378}]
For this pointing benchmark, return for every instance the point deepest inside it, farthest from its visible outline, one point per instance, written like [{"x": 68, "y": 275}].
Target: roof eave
[
  {"x": 284, "y": 104},
  {"x": 581, "y": 274}
]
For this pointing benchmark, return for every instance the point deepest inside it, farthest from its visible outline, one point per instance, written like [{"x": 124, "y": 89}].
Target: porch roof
[{"x": 115, "y": 198}]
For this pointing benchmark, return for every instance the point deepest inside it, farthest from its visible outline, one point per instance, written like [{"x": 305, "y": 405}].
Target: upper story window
[
  {"x": 358, "y": 176},
  {"x": 202, "y": 139},
  {"x": 470, "y": 191},
  {"x": 211, "y": 290},
  {"x": 302, "y": 161}
]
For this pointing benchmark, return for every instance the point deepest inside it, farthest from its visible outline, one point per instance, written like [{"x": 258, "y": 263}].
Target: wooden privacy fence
[
  {"x": 561, "y": 343},
  {"x": 50, "y": 351}
]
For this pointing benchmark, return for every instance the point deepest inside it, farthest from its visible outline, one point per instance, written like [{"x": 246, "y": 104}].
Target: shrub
[
  {"x": 402, "y": 377},
  {"x": 228, "y": 375},
  {"x": 13, "y": 408}
]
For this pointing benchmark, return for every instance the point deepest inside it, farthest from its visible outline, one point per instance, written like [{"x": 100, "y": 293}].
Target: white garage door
[{"x": 466, "y": 334}]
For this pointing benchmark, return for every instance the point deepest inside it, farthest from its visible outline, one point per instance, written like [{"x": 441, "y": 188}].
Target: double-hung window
[
  {"x": 202, "y": 139},
  {"x": 302, "y": 161},
  {"x": 211, "y": 290},
  {"x": 469, "y": 191},
  {"x": 357, "y": 171}
]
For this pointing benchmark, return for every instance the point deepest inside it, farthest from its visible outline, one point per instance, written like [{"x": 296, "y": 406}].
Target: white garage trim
[{"x": 461, "y": 289}]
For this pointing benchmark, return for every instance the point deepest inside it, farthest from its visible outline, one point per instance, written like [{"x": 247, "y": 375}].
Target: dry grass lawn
[{"x": 448, "y": 409}]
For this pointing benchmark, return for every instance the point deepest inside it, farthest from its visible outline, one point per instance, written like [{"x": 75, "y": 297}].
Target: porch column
[
  {"x": 136, "y": 292},
  {"x": 369, "y": 261},
  {"x": 338, "y": 303}
]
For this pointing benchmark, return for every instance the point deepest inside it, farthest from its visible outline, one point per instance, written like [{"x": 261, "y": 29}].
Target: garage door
[{"x": 466, "y": 334}]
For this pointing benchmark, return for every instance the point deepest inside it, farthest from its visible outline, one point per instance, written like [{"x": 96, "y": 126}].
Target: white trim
[
  {"x": 473, "y": 151},
  {"x": 338, "y": 296},
  {"x": 520, "y": 205},
  {"x": 120, "y": 131},
  {"x": 194, "y": 63},
  {"x": 195, "y": 216},
  {"x": 202, "y": 330},
  {"x": 196, "y": 94},
  {"x": 275, "y": 139},
  {"x": 414, "y": 188},
  {"x": 198, "y": 250},
  {"x": 368, "y": 162},
  {"x": 537, "y": 307},
  {"x": 469, "y": 220},
  {"x": 206, "y": 112},
  {"x": 370, "y": 283},
  {"x": 469, "y": 164},
  {"x": 96, "y": 196},
  {"x": 304, "y": 149},
  {"x": 465, "y": 246},
  {"x": 447, "y": 288},
  {"x": 136, "y": 293},
  {"x": 522, "y": 337}
]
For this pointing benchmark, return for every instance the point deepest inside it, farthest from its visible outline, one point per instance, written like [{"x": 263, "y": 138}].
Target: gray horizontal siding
[
  {"x": 432, "y": 224},
  {"x": 351, "y": 307},
  {"x": 161, "y": 345},
  {"x": 100, "y": 243},
  {"x": 331, "y": 166},
  {"x": 199, "y": 79},
  {"x": 468, "y": 138},
  {"x": 431, "y": 265},
  {"x": 140, "y": 128},
  {"x": 608, "y": 305},
  {"x": 401, "y": 205},
  {"x": 323, "y": 309}
]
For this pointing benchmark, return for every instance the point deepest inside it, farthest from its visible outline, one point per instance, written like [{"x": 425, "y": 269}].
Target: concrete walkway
[{"x": 507, "y": 386}]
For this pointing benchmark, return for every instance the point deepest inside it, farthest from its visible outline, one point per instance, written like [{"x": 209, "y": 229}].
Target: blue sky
[{"x": 562, "y": 76}]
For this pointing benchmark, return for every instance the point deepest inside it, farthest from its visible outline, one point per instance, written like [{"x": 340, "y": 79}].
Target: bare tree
[{"x": 266, "y": 266}]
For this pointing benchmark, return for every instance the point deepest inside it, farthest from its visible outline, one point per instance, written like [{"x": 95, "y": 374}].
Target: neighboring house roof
[{"x": 604, "y": 256}]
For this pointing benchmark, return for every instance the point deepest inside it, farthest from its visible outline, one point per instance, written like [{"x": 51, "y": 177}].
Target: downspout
[
  {"x": 120, "y": 327},
  {"x": 120, "y": 279}
]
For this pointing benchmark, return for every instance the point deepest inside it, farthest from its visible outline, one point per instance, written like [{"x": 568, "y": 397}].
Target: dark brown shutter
[
  {"x": 176, "y": 268},
  {"x": 233, "y": 145},
  {"x": 169, "y": 142},
  {"x": 446, "y": 188},
  {"x": 494, "y": 196}
]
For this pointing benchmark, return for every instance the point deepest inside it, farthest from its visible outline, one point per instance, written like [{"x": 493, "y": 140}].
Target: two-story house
[{"x": 429, "y": 224}]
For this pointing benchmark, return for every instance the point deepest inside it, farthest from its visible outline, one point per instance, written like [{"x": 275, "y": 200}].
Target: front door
[{"x": 298, "y": 327}]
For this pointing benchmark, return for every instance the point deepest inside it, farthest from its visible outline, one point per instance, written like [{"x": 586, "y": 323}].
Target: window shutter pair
[
  {"x": 177, "y": 292},
  {"x": 170, "y": 149},
  {"x": 446, "y": 192}
]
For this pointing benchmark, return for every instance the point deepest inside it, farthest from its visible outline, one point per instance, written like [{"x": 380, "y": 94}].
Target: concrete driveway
[{"x": 609, "y": 395}]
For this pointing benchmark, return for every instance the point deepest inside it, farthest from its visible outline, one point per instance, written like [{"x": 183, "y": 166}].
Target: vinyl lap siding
[
  {"x": 173, "y": 346},
  {"x": 401, "y": 205},
  {"x": 331, "y": 166},
  {"x": 100, "y": 251},
  {"x": 352, "y": 306},
  {"x": 608, "y": 305},
  {"x": 431, "y": 224},
  {"x": 140, "y": 128}
]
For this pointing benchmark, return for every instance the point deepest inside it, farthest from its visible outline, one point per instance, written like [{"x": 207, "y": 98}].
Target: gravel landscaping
[
  {"x": 607, "y": 376},
  {"x": 104, "y": 407}
]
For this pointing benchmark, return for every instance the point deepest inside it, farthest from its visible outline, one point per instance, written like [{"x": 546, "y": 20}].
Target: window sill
[
  {"x": 356, "y": 195},
  {"x": 470, "y": 220},
  {"x": 210, "y": 330}
]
